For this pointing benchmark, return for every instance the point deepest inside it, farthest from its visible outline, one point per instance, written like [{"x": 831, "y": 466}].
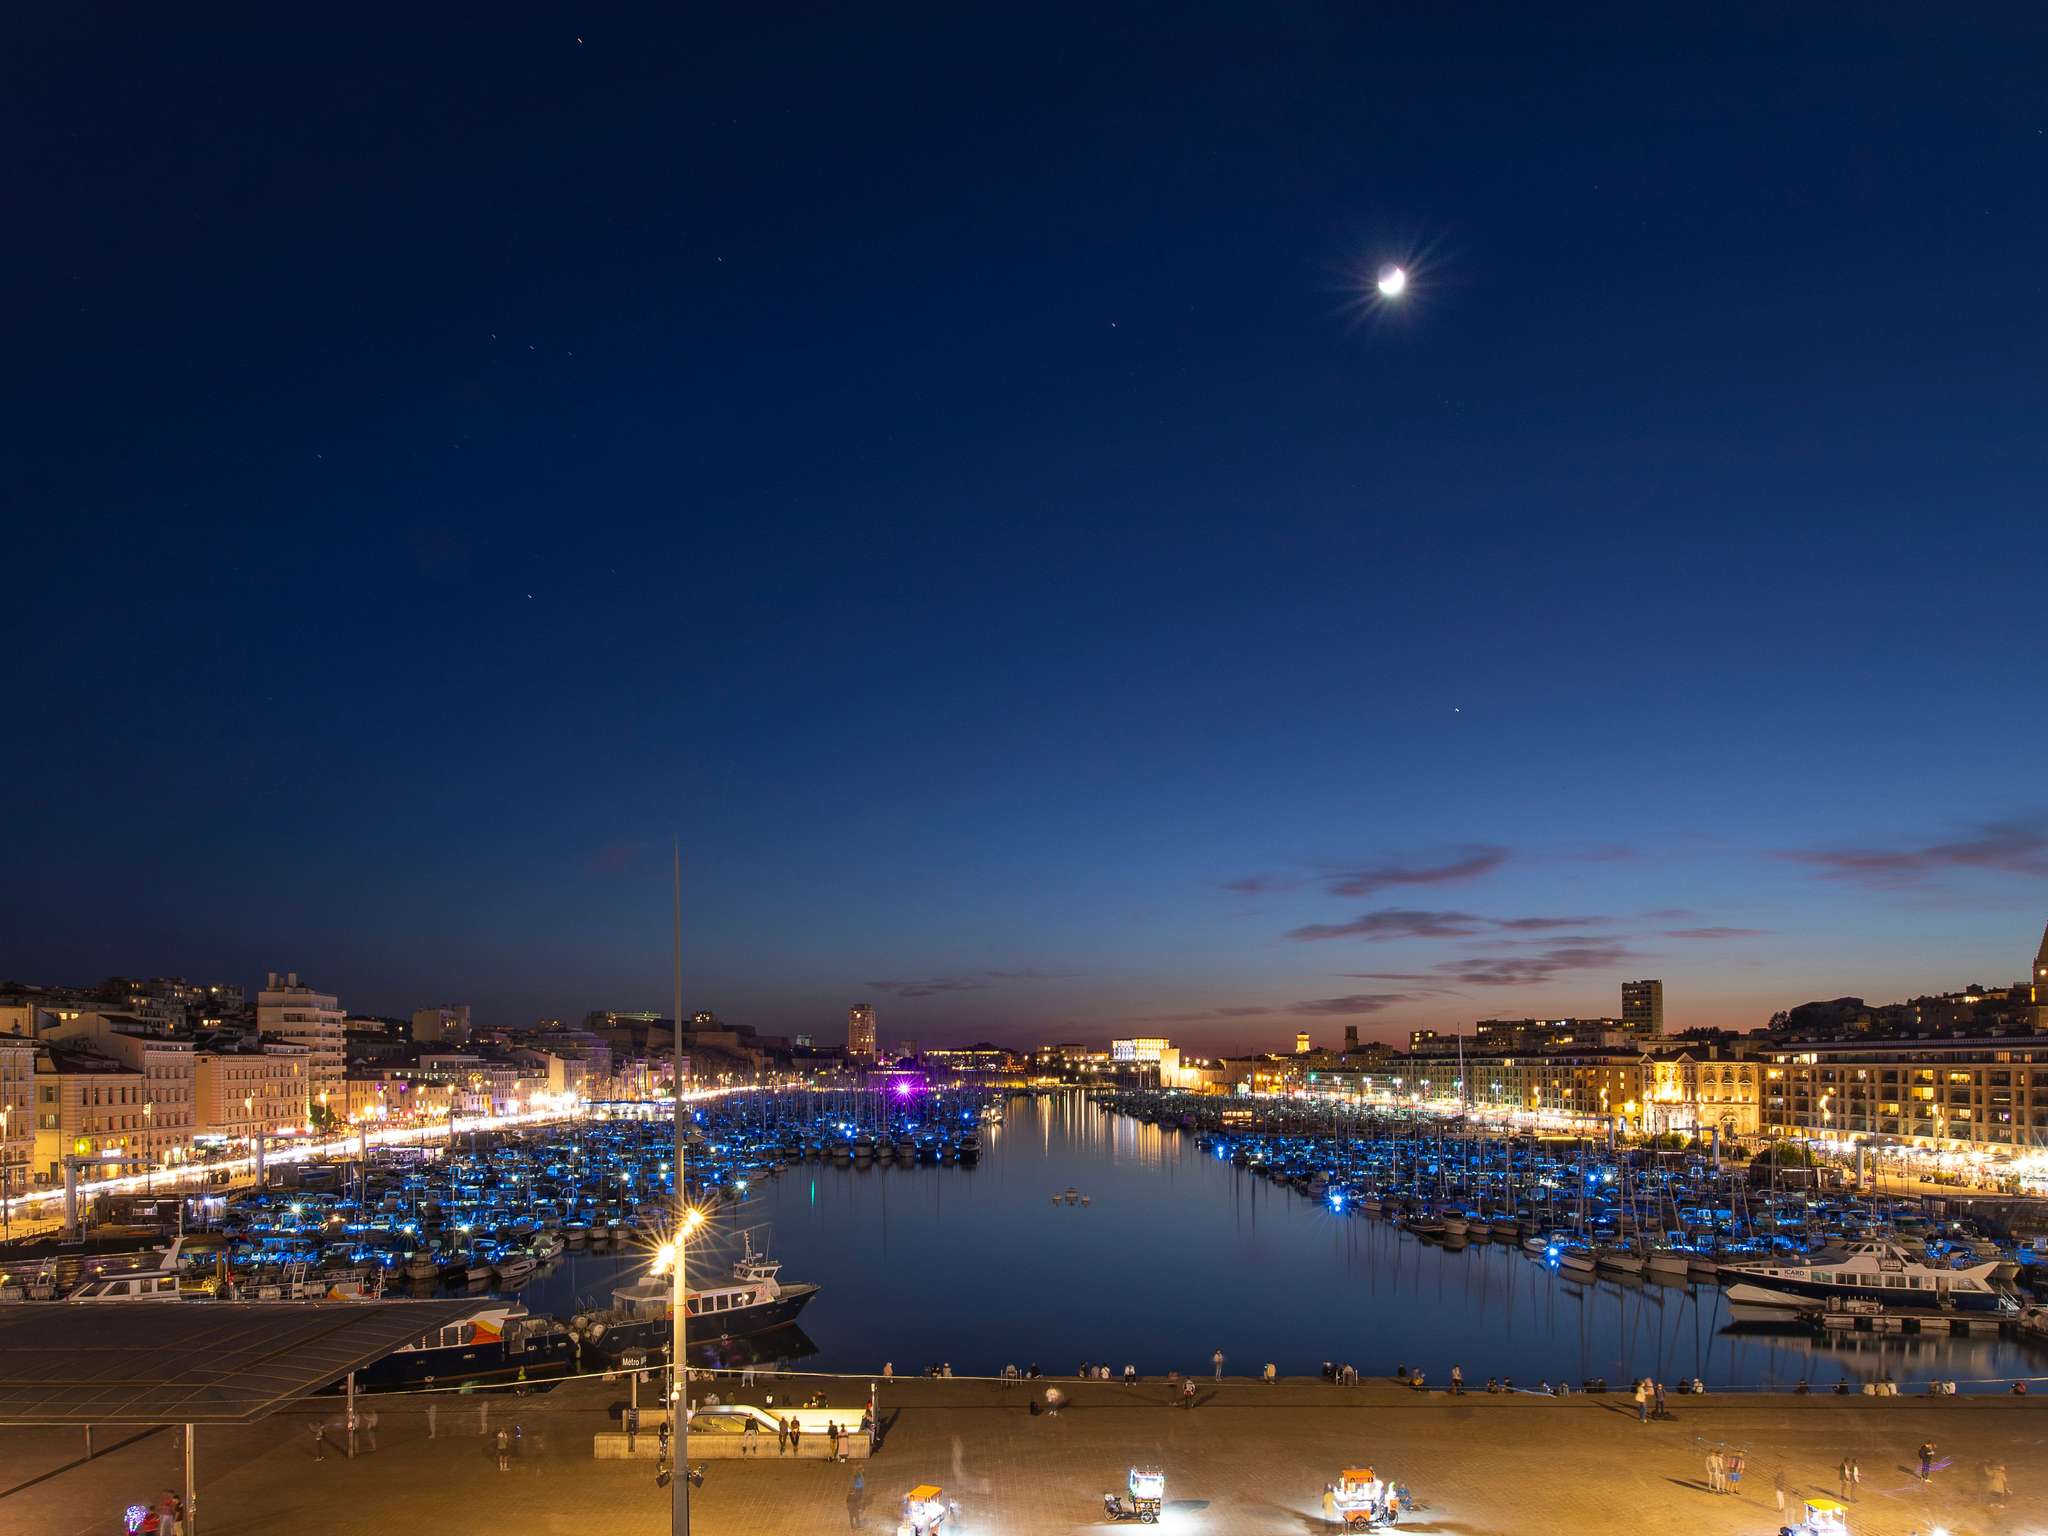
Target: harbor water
[{"x": 1176, "y": 1254}]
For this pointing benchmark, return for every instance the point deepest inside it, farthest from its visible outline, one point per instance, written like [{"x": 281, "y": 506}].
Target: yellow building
[{"x": 258, "y": 1089}]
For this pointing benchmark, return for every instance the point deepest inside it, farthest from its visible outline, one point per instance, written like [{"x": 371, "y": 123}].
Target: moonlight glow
[{"x": 1393, "y": 282}]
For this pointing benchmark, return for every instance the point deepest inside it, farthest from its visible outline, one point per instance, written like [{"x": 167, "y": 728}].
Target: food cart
[
  {"x": 1822, "y": 1517},
  {"x": 924, "y": 1510},
  {"x": 1363, "y": 1500},
  {"x": 1148, "y": 1491}
]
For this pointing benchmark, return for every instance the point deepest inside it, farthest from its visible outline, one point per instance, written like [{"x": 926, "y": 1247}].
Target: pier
[{"x": 1248, "y": 1457}]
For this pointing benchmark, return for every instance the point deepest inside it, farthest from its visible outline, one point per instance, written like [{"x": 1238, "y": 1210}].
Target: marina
[{"x": 1370, "y": 1245}]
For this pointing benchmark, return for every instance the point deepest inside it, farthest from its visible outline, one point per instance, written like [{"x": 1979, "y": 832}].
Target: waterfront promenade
[{"x": 1249, "y": 1457}]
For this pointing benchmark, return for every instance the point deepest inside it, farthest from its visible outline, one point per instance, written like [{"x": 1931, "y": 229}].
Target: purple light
[{"x": 905, "y": 1090}]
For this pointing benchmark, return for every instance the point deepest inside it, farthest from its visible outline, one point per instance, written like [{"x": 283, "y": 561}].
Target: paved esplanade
[{"x": 1247, "y": 1458}]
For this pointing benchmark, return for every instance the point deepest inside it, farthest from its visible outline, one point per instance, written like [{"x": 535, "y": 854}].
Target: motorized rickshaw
[
  {"x": 1148, "y": 1492},
  {"x": 1822, "y": 1517},
  {"x": 1365, "y": 1501}
]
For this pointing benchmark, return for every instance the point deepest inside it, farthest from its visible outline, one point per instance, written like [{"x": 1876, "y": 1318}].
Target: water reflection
[{"x": 1178, "y": 1254}]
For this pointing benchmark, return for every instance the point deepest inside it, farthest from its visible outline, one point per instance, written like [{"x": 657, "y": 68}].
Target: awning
[{"x": 193, "y": 1362}]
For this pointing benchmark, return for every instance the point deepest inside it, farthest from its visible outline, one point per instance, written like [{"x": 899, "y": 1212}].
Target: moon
[{"x": 1393, "y": 282}]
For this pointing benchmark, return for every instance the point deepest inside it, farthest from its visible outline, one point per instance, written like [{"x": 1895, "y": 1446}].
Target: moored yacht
[{"x": 1862, "y": 1271}]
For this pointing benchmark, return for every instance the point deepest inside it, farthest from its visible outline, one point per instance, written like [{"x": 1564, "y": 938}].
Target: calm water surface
[{"x": 1179, "y": 1254}]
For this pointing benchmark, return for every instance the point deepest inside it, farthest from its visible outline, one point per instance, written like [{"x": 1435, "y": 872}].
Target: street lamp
[{"x": 671, "y": 1259}]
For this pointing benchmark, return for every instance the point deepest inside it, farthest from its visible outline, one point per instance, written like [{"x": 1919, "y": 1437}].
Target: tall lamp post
[{"x": 679, "y": 1414}]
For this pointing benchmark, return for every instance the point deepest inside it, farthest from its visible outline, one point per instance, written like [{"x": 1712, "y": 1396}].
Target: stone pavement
[{"x": 1248, "y": 1458}]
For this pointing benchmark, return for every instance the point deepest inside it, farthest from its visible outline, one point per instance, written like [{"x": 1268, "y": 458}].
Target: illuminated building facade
[{"x": 860, "y": 1032}]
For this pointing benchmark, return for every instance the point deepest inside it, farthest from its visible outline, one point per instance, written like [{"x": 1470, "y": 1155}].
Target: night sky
[{"x": 949, "y": 468}]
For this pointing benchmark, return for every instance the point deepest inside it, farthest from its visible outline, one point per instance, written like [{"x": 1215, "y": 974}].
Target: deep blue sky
[{"x": 940, "y": 464}]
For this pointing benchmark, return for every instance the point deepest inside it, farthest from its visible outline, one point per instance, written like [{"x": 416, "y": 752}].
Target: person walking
[
  {"x": 1855, "y": 1479},
  {"x": 505, "y": 1448},
  {"x": 750, "y": 1437},
  {"x": 1847, "y": 1486},
  {"x": 1217, "y": 1361},
  {"x": 319, "y": 1440},
  {"x": 1329, "y": 1508},
  {"x": 1926, "y": 1461}
]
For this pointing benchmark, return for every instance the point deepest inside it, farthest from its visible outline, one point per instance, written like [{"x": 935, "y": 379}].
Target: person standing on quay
[
  {"x": 1714, "y": 1468},
  {"x": 319, "y": 1440},
  {"x": 1846, "y": 1484},
  {"x": 1926, "y": 1461},
  {"x": 1457, "y": 1381},
  {"x": 750, "y": 1437},
  {"x": 1217, "y": 1361}
]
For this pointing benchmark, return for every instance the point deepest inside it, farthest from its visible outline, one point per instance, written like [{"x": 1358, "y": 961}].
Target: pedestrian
[
  {"x": 1778, "y": 1489},
  {"x": 842, "y": 1442},
  {"x": 1329, "y": 1508},
  {"x": 1660, "y": 1411},
  {"x": 750, "y": 1437},
  {"x": 796, "y": 1436},
  {"x": 746, "y": 1375},
  {"x": 1998, "y": 1486},
  {"x": 782, "y": 1437},
  {"x": 1714, "y": 1466},
  {"x": 1855, "y": 1479},
  {"x": 433, "y": 1413},
  {"x": 1735, "y": 1467},
  {"x": 1187, "y": 1393},
  {"x": 370, "y": 1427},
  {"x": 1642, "y": 1403},
  {"x": 1457, "y": 1381},
  {"x": 319, "y": 1440},
  {"x": 888, "y": 1369},
  {"x": 1217, "y": 1360},
  {"x": 1927, "y": 1461},
  {"x": 1848, "y": 1491},
  {"x": 1130, "y": 1374},
  {"x": 505, "y": 1448}
]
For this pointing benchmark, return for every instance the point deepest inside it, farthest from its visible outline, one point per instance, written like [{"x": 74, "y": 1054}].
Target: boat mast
[{"x": 679, "y": 1414}]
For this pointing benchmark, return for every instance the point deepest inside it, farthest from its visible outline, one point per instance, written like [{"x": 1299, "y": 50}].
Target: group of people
[
  {"x": 789, "y": 1436},
  {"x": 1724, "y": 1470},
  {"x": 1342, "y": 1375},
  {"x": 1649, "y": 1397}
]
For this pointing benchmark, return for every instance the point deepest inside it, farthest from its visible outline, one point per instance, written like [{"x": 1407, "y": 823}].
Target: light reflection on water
[{"x": 1178, "y": 1254}]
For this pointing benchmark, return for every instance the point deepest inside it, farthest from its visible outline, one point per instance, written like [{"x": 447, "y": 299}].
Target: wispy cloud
[
  {"x": 1262, "y": 885},
  {"x": 2003, "y": 847},
  {"x": 974, "y": 981},
  {"x": 1517, "y": 970},
  {"x": 1467, "y": 862},
  {"x": 928, "y": 987},
  {"x": 1354, "y": 1005},
  {"x": 1411, "y": 923},
  {"x": 1606, "y": 853},
  {"x": 1523, "y": 970},
  {"x": 1715, "y": 933}
]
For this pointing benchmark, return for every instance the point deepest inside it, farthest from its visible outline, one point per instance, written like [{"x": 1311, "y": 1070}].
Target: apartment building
[
  {"x": 291, "y": 1012},
  {"x": 168, "y": 1120},
  {"x": 17, "y": 1116},
  {"x": 247, "y": 1088},
  {"x": 1950, "y": 1094}
]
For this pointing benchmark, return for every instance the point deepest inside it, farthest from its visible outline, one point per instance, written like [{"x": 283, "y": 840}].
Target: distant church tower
[{"x": 2041, "y": 972}]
